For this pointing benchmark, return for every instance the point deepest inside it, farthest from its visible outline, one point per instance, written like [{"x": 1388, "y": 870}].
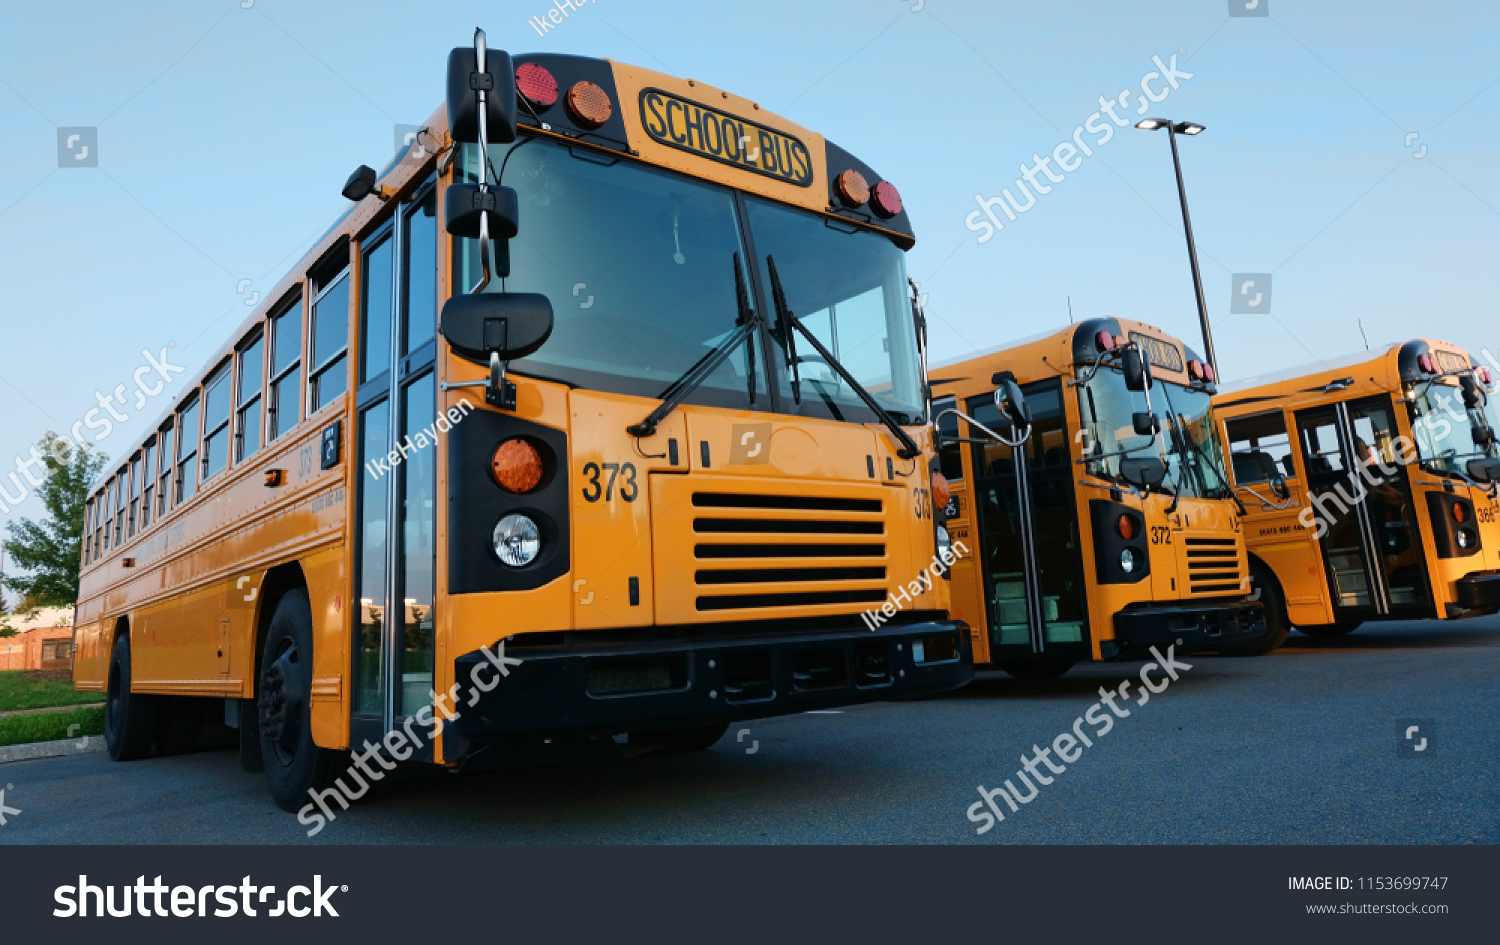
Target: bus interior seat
[
  {"x": 1286, "y": 463},
  {"x": 1254, "y": 466},
  {"x": 1319, "y": 464}
]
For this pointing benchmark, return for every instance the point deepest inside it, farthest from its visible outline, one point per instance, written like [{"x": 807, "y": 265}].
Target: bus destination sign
[
  {"x": 1162, "y": 354},
  {"x": 728, "y": 139}
]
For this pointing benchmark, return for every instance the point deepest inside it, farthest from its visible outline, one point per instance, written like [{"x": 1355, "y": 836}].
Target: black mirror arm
[{"x": 1265, "y": 503}]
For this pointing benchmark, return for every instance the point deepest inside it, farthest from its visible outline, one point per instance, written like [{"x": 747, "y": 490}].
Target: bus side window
[
  {"x": 285, "y": 407},
  {"x": 135, "y": 494},
  {"x": 122, "y": 498},
  {"x": 328, "y": 370},
  {"x": 216, "y": 420},
  {"x": 187, "y": 451},
  {"x": 88, "y": 530},
  {"x": 164, "y": 477},
  {"x": 1260, "y": 448},
  {"x": 148, "y": 483}
]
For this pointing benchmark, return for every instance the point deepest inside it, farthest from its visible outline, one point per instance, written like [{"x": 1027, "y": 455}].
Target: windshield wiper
[
  {"x": 784, "y": 317},
  {"x": 679, "y": 390}
]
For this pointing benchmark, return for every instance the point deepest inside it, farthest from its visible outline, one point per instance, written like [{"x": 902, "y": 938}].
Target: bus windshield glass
[
  {"x": 1192, "y": 415},
  {"x": 848, "y": 287},
  {"x": 1443, "y": 428},
  {"x": 638, "y": 264},
  {"x": 1185, "y": 443}
]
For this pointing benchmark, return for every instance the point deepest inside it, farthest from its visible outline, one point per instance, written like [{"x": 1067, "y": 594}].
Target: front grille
[
  {"x": 1214, "y": 566},
  {"x": 819, "y": 550}
]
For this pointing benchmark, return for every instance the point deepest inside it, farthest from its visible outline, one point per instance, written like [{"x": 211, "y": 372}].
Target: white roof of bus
[
  {"x": 949, "y": 362},
  {"x": 1291, "y": 373}
]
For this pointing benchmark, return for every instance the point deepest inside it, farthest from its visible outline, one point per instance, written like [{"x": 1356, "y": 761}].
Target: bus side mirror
[
  {"x": 498, "y": 82},
  {"x": 508, "y": 324},
  {"x": 1473, "y": 394},
  {"x": 1482, "y": 436},
  {"x": 1279, "y": 489},
  {"x": 1145, "y": 423},
  {"x": 465, "y": 205},
  {"x": 1484, "y": 470},
  {"x": 1012, "y": 404},
  {"x": 1143, "y": 472},
  {"x": 1136, "y": 376}
]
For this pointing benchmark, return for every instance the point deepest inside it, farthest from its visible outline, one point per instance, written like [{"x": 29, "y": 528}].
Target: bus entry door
[
  {"x": 1030, "y": 568},
  {"x": 1372, "y": 548}
]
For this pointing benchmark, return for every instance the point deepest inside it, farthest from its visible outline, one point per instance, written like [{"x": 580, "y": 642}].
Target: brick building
[{"x": 43, "y": 640}]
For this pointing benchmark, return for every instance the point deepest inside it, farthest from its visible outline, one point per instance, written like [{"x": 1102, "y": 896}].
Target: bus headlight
[
  {"x": 517, "y": 540},
  {"x": 1464, "y": 537},
  {"x": 1127, "y": 560},
  {"x": 944, "y": 544}
]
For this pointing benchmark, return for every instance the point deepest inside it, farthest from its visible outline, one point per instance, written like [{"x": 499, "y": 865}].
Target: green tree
[{"x": 49, "y": 551}]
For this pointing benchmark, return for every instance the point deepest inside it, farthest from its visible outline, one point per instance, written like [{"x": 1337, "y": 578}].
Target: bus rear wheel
[
  {"x": 1325, "y": 630},
  {"x": 129, "y": 717},
  {"x": 294, "y": 764},
  {"x": 1264, "y": 588},
  {"x": 1037, "y": 672}
]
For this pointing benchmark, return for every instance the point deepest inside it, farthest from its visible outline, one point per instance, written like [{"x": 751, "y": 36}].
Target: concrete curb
[{"x": 57, "y": 749}]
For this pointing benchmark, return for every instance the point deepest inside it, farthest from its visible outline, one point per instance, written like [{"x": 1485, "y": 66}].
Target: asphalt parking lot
[{"x": 1304, "y": 746}]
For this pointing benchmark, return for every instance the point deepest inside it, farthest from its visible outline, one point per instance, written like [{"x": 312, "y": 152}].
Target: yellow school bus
[
  {"x": 1100, "y": 524},
  {"x": 1369, "y": 483},
  {"x": 619, "y": 376}
]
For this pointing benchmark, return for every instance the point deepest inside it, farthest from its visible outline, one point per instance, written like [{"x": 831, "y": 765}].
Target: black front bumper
[
  {"x": 1186, "y": 625},
  {"x": 572, "y": 691},
  {"x": 1479, "y": 591}
]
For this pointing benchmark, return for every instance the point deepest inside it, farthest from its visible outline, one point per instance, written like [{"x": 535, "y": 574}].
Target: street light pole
[{"x": 1173, "y": 130}]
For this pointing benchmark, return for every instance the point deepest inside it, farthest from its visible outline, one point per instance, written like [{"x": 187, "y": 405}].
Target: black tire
[
  {"x": 687, "y": 739},
  {"x": 1037, "y": 672},
  {"x": 249, "y": 731},
  {"x": 129, "y": 718},
  {"x": 1265, "y": 588},
  {"x": 1326, "y": 630},
  {"x": 294, "y": 764},
  {"x": 179, "y": 720}
]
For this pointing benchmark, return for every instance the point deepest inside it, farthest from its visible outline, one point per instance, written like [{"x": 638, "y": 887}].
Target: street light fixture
[{"x": 1173, "y": 130}]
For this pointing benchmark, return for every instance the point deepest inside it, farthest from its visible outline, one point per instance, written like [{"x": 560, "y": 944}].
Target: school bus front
[
  {"x": 677, "y": 508},
  {"x": 1374, "y": 477},
  {"x": 1074, "y": 554}
]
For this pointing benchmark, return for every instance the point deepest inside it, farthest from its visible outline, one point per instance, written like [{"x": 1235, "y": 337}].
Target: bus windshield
[
  {"x": 1443, "y": 427},
  {"x": 639, "y": 265},
  {"x": 848, "y": 287},
  {"x": 1186, "y": 443}
]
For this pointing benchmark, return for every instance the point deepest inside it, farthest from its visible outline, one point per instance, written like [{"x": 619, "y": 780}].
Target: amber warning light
[{"x": 516, "y": 466}]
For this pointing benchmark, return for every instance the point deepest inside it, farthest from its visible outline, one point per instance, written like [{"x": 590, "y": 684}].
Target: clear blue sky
[{"x": 226, "y": 132}]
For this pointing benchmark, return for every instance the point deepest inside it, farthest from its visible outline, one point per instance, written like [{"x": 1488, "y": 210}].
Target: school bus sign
[{"x": 719, "y": 136}]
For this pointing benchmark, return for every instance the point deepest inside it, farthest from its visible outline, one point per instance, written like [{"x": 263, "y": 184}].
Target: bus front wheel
[
  {"x": 1265, "y": 589},
  {"x": 294, "y": 764},
  {"x": 129, "y": 717},
  {"x": 1331, "y": 629},
  {"x": 1037, "y": 672}
]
